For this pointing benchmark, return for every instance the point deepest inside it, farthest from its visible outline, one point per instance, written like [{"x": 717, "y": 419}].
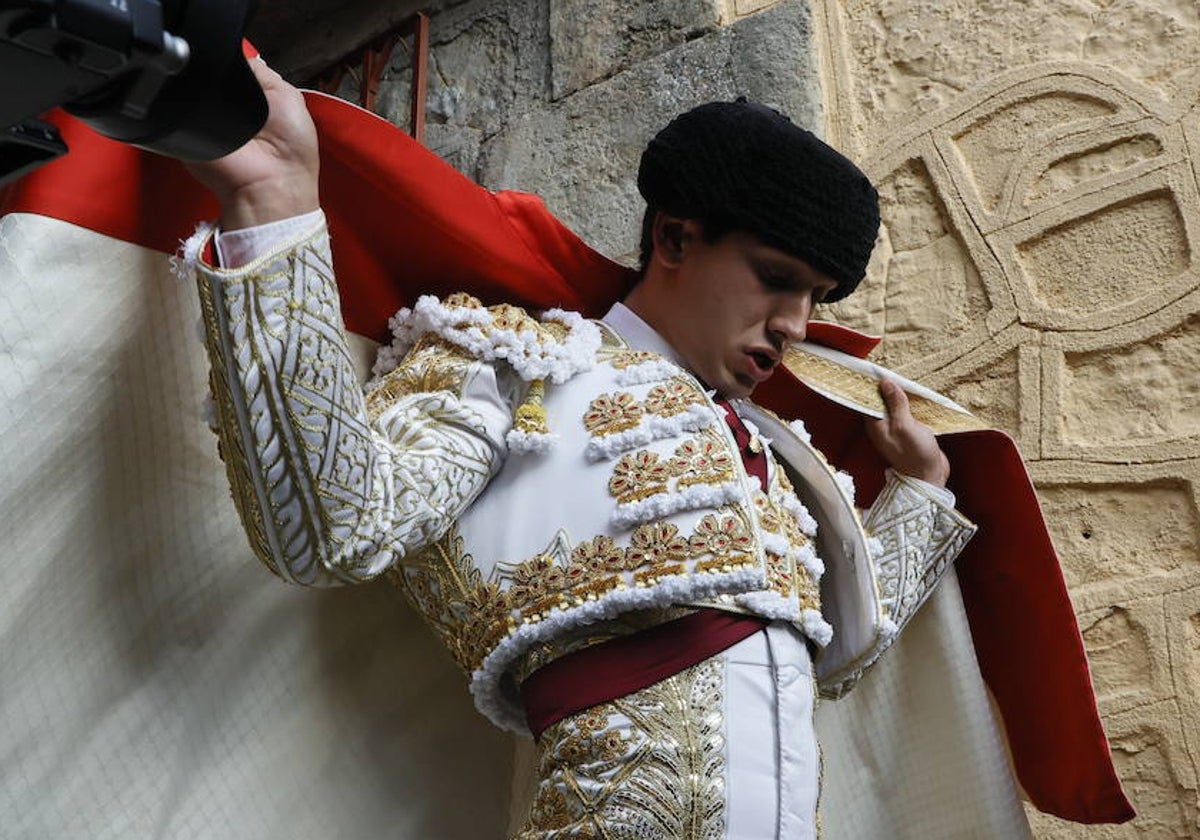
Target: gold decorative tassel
[{"x": 531, "y": 416}]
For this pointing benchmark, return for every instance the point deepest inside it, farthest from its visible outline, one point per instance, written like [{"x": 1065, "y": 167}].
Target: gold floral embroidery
[
  {"x": 624, "y": 359},
  {"x": 529, "y": 579},
  {"x": 468, "y": 614},
  {"x": 472, "y": 616},
  {"x": 723, "y": 535},
  {"x": 600, "y": 555},
  {"x": 639, "y": 475},
  {"x": 612, "y": 413},
  {"x": 702, "y": 460},
  {"x": 551, "y": 812},
  {"x": 784, "y": 574},
  {"x": 657, "y": 543},
  {"x": 650, "y": 764},
  {"x": 671, "y": 398}
]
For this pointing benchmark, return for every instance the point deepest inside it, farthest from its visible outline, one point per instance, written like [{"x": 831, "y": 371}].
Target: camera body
[{"x": 169, "y": 76}]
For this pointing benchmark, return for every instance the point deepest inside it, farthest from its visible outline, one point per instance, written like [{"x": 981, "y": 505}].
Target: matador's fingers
[{"x": 895, "y": 401}]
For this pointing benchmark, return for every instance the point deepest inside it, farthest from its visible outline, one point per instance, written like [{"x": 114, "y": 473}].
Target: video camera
[{"x": 167, "y": 76}]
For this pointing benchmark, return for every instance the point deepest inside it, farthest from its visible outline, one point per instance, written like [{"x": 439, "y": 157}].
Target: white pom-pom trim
[
  {"x": 800, "y": 430},
  {"x": 522, "y": 443},
  {"x": 528, "y": 353},
  {"x": 662, "y": 505},
  {"x": 807, "y": 557},
  {"x": 769, "y": 604},
  {"x": 804, "y": 519},
  {"x": 804, "y": 556},
  {"x": 651, "y": 428},
  {"x": 846, "y": 482},
  {"x": 654, "y": 370},
  {"x": 816, "y": 627}
]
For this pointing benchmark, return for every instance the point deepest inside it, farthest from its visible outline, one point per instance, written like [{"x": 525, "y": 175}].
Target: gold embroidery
[
  {"x": 918, "y": 539},
  {"x": 471, "y": 616},
  {"x": 861, "y": 389},
  {"x": 623, "y": 359},
  {"x": 784, "y": 575},
  {"x": 722, "y": 535},
  {"x": 534, "y": 578},
  {"x": 769, "y": 517},
  {"x": 639, "y": 475},
  {"x": 650, "y": 764},
  {"x": 655, "y": 574},
  {"x": 531, "y": 415},
  {"x": 600, "y": 555},
  {"x": 574, "y": 595},
  {"x": 611, "y": 413},
  {"x": 657, "y": 543},
  {"x": 671, "y": 398},
  {"x": 780, "y": 574},
  {"x": 727, "y": 564},
  {"x": 505, "y": 316},
  {"x": 229, "y": 442},
  {"x": 305, "y": 439},
  {"x": 462, "y": 300},
  {"x": 702, "y": 460},
  {"x": 431, "y": 365}
]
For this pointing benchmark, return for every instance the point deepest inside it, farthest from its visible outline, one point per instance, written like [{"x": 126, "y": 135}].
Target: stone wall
[
  {"x": 1040, "y": 207},
  {"x": 559, "y": 97},
  {"x": 1040, "y": 204}
]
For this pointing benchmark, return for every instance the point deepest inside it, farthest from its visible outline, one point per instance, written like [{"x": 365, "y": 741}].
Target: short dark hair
[{"x": 712, "y": 228}]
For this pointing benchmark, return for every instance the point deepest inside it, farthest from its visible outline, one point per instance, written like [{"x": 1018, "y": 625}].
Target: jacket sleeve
[
  {"x": 917, "y": 534},
  {"x": 914, "y": 534},
  {"x": 334, "y": 486}
]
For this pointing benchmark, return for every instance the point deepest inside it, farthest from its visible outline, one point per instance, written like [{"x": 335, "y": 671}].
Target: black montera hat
[{"x": 752, "y": 168}]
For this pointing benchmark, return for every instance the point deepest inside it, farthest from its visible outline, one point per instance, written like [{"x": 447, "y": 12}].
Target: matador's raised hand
[
  {"x": 907, "y": 444},
  {"x": 273, "y": 176}
]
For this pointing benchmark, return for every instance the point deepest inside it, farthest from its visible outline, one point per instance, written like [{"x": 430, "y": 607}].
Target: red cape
[{"x": 403, "y": 223}]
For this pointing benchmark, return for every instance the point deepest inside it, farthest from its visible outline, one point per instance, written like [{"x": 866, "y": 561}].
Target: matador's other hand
[
  {"x": 907, "y": 444},
  {"x": 273, "y": 176}
]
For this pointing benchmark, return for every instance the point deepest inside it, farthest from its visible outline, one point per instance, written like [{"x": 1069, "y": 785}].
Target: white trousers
[{"x": 773, "y": 766}]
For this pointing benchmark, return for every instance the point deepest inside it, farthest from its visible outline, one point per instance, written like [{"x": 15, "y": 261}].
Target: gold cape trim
[{"x": 860, "y": 391}]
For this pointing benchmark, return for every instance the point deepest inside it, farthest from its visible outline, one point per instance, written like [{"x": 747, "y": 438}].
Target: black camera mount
[{"x": 169, "y": 76}]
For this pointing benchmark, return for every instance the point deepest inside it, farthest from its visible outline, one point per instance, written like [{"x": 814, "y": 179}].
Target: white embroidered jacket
[{"x": 612, "y": 481}]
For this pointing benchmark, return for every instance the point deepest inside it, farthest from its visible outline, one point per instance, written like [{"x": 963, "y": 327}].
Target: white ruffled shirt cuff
[
  {"x": 942, "y": 495},
  {"x": 235, "y": 248}
]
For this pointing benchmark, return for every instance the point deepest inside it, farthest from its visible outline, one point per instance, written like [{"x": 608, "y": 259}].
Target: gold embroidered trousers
[{"x": 724, "y": 749}]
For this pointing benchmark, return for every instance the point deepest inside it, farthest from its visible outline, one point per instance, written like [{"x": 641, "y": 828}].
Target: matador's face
[{"x": 737, "y": 304}]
